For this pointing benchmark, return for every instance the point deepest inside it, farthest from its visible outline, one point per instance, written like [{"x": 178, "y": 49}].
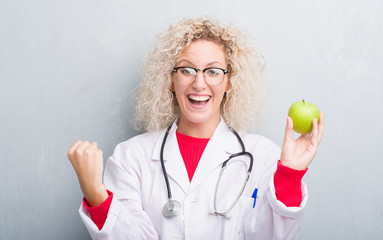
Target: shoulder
[
  {"x": 139, "y": 145},
  {"x": 258, "y": 143},
  {"x": 144, "y": 139},
  {"x": 266, "y": 154},
  {"x": 257, "y": 139}
]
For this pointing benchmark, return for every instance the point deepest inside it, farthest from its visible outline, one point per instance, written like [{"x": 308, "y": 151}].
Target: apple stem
[{"x": 303, "y": 101}]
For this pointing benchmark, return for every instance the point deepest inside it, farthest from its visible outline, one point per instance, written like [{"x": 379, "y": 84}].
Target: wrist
[
  {"x": 97, "y": 196},
  {"x": 289, "y": 173},
  {"x": 293, "y": 165}
]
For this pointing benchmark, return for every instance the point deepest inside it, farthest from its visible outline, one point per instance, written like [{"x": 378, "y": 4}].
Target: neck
[{"x": 197, "y": 130}]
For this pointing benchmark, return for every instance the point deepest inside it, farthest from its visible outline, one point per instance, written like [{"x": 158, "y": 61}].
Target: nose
[{"x": 199, "y": 82}]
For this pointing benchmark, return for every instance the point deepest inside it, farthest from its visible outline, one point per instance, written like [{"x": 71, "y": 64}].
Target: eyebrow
[{"x": 192, "y": 64}]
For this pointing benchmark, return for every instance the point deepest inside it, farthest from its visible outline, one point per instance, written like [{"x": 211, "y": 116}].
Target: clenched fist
[{"x": 87, "y": 161}]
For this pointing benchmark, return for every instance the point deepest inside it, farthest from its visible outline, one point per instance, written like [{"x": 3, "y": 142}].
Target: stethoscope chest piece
[{"x": 171, "y": 208}]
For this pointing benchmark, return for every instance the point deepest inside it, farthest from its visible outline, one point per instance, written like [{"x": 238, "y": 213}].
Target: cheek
[
  {"x": 179, "y": 92},
  {"x": 223, "y": 89}
]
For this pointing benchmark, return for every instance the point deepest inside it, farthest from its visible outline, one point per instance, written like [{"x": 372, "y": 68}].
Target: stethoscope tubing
[
  {"x": 225, "y": 213},
  {"x": 243, "y": 185},
  {"x": 163, "y": 164}
]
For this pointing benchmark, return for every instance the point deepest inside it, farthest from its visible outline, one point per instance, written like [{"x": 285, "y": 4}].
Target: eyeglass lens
[{"x": 213, "y": 76}]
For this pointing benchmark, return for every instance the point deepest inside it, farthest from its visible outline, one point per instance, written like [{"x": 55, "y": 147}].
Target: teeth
[{"x": 199, "y": 98}]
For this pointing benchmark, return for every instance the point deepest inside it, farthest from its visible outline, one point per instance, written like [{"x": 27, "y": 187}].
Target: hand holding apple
[{"x": 298, "y": 153}]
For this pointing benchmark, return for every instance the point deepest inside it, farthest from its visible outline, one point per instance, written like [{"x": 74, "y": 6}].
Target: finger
[
  {"x": 80, "y": 149},
  {"x": 93, "y": 145},
  {"x": 73, "y": 147},
  {"x": 314, "y": 137},
  {"x": 320, "y": 127},
  {"x": 304, "y": 137},
  {"x": 289, "y": 129},
  {"x": 92, "y": 149}
]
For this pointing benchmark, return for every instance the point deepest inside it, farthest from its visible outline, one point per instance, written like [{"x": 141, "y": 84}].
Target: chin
[{"x": 202, "y": 118}]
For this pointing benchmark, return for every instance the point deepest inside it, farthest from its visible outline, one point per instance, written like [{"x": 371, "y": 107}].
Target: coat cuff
[
  {"x": 288, "y": 185},
  {"x": 99, "y": 213}
]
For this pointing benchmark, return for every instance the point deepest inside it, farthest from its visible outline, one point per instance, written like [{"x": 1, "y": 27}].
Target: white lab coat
[{"x": 133, "y": 173}]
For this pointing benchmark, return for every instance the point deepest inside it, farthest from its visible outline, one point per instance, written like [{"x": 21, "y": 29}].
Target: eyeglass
[{"x": 212, "y": 75}]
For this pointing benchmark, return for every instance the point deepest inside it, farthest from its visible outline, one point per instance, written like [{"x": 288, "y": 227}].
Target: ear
[
  {"x": 228, "y": 86},
  {"x": 172, "y": 87}
]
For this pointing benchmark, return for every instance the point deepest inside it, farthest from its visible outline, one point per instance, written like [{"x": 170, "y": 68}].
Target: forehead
[{"x": 203, "y": 52}]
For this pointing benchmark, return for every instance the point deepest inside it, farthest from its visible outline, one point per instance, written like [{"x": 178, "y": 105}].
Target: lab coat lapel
[
  {"x": 219, "y": 148},
  {"x": 174, "y": 164}
]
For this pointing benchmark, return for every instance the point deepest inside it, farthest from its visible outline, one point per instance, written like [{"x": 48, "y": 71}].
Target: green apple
[{"x": 303, "y": 113}]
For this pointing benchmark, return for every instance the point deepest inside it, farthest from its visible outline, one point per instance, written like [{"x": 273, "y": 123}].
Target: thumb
[{"x": 289, "y": 129}]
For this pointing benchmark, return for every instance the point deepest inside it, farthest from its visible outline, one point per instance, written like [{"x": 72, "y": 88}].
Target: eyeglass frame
[{"x": 225, "y": 71}]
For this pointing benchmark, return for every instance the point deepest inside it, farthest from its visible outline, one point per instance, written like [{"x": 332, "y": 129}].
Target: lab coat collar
[
  {"x": 174, "y": 164},
  {"x": 220, "y": 146}
]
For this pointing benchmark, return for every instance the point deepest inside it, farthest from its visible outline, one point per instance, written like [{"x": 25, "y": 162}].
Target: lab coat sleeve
[
  {"x": 126, "y": 218},
  {"x": 274, "y": 220}
]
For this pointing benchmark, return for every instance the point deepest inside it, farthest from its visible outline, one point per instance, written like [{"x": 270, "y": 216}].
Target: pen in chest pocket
[{"x": 255, "y": 196}]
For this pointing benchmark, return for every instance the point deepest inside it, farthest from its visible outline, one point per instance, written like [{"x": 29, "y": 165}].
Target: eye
[
  {"x": 214, "y": 72},
  {"x": 187, "y": 71}
]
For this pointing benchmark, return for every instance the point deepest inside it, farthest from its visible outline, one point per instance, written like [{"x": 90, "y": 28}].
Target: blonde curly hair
[{"x": 156, "y": 105}]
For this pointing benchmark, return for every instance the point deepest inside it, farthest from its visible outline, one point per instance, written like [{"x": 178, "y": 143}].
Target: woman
[{"x": 199, "y": 84}]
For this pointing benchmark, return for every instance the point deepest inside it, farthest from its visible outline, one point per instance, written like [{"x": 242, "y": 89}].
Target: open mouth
[{"x": 199, "y": 100}]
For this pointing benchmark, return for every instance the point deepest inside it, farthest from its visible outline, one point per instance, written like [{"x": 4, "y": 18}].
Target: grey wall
[{"x": 68, "y": 69}]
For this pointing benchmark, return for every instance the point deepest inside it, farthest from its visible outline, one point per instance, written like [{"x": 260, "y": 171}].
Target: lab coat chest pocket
[
  {"x": 239, "y": 217},
  {"x": 243, "y": 214}
]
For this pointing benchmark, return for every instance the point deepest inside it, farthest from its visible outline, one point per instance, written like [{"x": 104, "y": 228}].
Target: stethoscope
[{"x": 173, "y": 207}]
